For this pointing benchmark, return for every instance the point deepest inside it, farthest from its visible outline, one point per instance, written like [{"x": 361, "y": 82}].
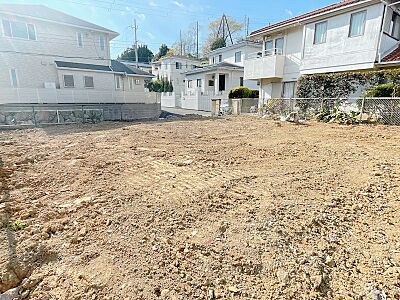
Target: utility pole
[
  {"x": 136, "y": 44},
  {"x": 197, "y": 38},
  {"x": 180, "y": 38},
  {"x": 247, "y": 26}
]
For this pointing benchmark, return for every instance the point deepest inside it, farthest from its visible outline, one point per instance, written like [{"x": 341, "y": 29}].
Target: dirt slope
[{"x": 240, "y": 208}]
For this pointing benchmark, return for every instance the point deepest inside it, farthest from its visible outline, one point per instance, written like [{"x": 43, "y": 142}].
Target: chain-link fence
[{"x": 374, "y": 110}]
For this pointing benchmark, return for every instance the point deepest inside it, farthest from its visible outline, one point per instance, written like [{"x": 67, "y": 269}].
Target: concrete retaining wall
[{"x": 47, "y": 114}]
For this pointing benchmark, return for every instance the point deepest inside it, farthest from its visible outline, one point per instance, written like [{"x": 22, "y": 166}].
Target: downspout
[{"x": 378, "y": 50}]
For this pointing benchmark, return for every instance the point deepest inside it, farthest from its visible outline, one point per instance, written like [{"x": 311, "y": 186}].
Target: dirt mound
[{"x": 240, "y": 208}]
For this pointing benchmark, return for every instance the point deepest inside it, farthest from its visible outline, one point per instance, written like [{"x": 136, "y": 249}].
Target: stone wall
[{"x": 47, "y": 114}]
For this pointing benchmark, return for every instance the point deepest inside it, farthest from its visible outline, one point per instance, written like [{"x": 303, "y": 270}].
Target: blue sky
[{"x": 159, "y": 21}]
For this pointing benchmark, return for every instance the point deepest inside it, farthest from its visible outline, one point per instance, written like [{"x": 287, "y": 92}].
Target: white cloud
[
  {"x": 152, "y": 3},
  {"x": 179, "y": 4},
  {"x": 289, "y": 12},
  {"x": 141, "y": 17}
]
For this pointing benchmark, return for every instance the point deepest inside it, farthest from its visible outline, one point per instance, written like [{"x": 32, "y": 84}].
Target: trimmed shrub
[
  {"x": 255, "y": 94},
  {"x": 241, "y": 92},
  {"x": 382, "y": 90}
]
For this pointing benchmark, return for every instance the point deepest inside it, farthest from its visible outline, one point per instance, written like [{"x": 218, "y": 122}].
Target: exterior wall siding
[{"x": 341, "y": 52}]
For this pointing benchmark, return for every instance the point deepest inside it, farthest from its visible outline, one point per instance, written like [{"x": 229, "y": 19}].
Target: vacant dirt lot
[{"x": 238, "y": 208}]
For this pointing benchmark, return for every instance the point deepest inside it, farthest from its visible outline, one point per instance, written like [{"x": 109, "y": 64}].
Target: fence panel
[{"x": 377, "y": 110}]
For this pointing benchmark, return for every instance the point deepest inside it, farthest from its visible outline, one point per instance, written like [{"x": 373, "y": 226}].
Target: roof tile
[{"x": 393, "y": 56}]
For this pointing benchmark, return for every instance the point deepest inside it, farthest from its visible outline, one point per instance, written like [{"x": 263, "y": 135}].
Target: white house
[
  {"x": 347, "y": 36},
  {"x": 51, "y": 57},
  {"x": 223, "y": 73},
  {"x": 173, "y": 68}
]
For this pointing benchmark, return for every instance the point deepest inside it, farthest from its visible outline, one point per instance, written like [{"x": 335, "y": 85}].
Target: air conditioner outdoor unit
[{"x": 50, "y": 85}]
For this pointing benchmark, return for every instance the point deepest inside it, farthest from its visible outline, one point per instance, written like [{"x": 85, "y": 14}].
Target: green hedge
[
  {"x": 241, "y": 92},
  {"x": 338, "y": 85}
]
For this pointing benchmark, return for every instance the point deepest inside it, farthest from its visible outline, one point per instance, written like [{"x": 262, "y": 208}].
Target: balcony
[{"x": 269, "y": 65}]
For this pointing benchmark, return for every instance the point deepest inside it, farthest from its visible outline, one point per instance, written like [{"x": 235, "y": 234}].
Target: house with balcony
[
  {"x": 224, "y": 72},
  {"x": 351, "y": 35},
  {"x": 173, "y": 68},
  {"x": 50, "y": 57}
]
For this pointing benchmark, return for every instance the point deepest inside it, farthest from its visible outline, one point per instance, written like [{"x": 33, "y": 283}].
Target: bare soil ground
[{"x": 237, "y": 208}]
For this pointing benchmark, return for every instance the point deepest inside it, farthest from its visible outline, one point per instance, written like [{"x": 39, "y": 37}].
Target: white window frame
[
  {"x": 364, "y": 25},
  {"x": 77, "y": 39},
  {"x": 11, "y": 30},
  {"x": 199, "y": 82},
  {"x": 118, "y": 80},
  {"x": 283, "y": 45},
  {"x": 12, "y": 79},
  {"x": 102, "y": 38},
  {"x": 220, "y": 58},
  {"x": 137, "y": 82},
  {"x": 73, "y": 77},
  {"x": 84, "y": 82},
  {"x": 240, "y": 56},
  {"x": 315, "y": 32}
]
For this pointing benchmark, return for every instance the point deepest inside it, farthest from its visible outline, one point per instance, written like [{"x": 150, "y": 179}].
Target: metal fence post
[
  {"x": 362, "y": 109},
  {"x": 34, "y": 115},
  {"x": 83, "y": 115}
]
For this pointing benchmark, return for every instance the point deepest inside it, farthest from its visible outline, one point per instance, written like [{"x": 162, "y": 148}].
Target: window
[
  {"x": 289, "y": 89},
  {"x": 88, "y": 81},
  {"x": 269, "y": 47},
  {"x": 69, "y": 81},
  {"x": 279, "y": 46},
  {"x": 117, "y": 82},
  {"x": 80, "y": 39},
  {"x": 178, "y": 65},
  {"x": 357, "y": 23},
  {"x": 137, "y": 81},
  {"x": 213, "y": 60},
  {"x": 395, "y": 26},
  {"x": 14, "y": 78},
  {"x": 241, "y": 81},
  {"x": 20, "y": 30},
  {"x": 102, "y": 43},
  {"x": 320, "y": 32},
  {"x": 189, "y": 84},
  {"x": 199, "y": 83},
  {"x": 211, "y": 83},
  {"x": 220, "y": 58},
  {"x": 31, "y": 32},
  {"x": 238, "y": 56}
]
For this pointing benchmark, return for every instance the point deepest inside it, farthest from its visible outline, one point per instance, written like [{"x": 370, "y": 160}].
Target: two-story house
[
  {"x": 350, "y": 35},
  {"x": 50, "y": 57},
  {"x": 173, "y": 68},
  {"x": 224, "y": 72}
]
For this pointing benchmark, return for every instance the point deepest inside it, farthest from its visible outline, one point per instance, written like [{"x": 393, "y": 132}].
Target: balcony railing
[{"x": 266, "y": 64}]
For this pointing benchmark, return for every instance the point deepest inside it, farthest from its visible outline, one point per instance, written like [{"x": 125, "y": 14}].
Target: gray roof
[
  {"x": 46, "y": 13},
  {"x": 119, "y": 67},
  {"x": 115, "y": 67},
  {"x": 72, "y": 65},
  {"x": 221, "y": 65}
]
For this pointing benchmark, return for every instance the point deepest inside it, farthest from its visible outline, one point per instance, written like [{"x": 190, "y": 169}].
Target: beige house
[{"x": 51, "y": 57}]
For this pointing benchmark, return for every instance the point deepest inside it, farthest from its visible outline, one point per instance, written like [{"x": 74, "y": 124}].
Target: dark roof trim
[
  {"x": 119, "y": 67},
  {"x": 116, "y": 67},
  {"x": 223, "y": 65},
  {"x": 72, "y": 65}
]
